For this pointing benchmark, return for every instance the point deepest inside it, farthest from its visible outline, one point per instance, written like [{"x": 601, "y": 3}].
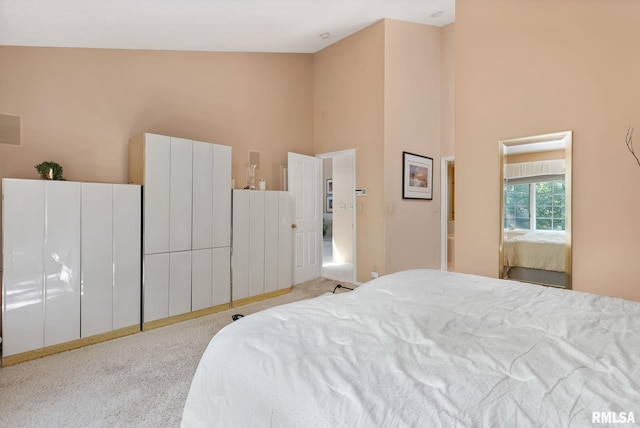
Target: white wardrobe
[
  {"x": 261, "y": 244},
  {"x": 71, "y": 263},
  {"x": 186, "y": 225}
]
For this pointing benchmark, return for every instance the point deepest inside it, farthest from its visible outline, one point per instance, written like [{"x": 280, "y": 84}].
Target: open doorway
[
  {"x": 338, "y": 215},
  {"x": 447, "y": 210}
]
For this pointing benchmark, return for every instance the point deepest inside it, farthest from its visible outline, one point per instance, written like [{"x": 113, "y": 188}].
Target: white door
[
  {"x": 126, "y": 255},
  {"x": 61, "y": 262},
  {"x": 285, "y": 215},
  {"x": 180, "y": 194},
  {"x": 241, "y": 244},
  {"x": 304, "y": 187},
  {"x": 157, "y": 201},
  {"x": 96, "y": 252},
  {"x": 23, "y": 276},
  {"x": 202, "y": 199}
]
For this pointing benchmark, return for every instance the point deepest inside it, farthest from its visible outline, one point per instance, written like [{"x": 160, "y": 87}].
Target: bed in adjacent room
[
  {"x": 424, "y": 348},
  {"x": 540, "y": 249},
  {"x": 536, "y": 256}
]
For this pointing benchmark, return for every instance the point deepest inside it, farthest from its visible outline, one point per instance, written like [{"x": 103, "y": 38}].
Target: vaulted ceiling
[{"x": 301, "y": 26}]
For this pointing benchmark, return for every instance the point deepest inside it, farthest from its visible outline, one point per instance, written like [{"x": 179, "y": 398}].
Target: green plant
[{"x": 49, "y": 170}]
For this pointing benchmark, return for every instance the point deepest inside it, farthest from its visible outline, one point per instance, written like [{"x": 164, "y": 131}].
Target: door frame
[
  {"x": 444, "y": 200},
  {"x": 353, "y": 201}
]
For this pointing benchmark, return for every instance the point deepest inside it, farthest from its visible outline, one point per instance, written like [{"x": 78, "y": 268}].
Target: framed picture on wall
[
  {"x": 417, "y": 176},
  {"x": 329, "y": 205},
  {"x": 329, "y": 186}
]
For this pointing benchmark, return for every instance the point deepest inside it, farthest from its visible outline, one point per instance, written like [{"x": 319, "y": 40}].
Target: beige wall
[
  {"x": 538, "y": 66},
  {"x": 447, "y": 90},
  {"x": 349, "y": 114},
  {"x": 533, "y": 157},
  {"x": 412, "y": 124},
  {"x": 79, "y": 107}
]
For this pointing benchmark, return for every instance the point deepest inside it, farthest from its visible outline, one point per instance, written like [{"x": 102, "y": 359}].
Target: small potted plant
[{"x": 49, "y": 170}]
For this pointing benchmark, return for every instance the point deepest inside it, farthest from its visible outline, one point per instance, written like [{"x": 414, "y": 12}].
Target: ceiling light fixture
[
  {"x": 437, "y": 14},
  {"x": 325, "y": 36}
]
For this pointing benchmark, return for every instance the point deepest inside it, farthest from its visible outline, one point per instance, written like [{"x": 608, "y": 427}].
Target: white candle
[
  {"x": 263, "y": 185},
  {"x": 50, "y": 173}
]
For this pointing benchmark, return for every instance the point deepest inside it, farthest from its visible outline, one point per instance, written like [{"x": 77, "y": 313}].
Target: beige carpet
[{"x": 140, "y": 380}]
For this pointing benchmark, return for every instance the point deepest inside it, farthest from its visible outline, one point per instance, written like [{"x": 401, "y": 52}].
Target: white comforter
[
  {"x": 544, "y": 249},
  {"x": 424, "y": 348}
]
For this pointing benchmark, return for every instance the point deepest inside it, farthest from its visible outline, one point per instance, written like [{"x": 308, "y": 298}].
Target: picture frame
[
  {"x": 329, "y": 204},
  {"x": 329, "y": 186},
  {"x": 417, "y": 176}
]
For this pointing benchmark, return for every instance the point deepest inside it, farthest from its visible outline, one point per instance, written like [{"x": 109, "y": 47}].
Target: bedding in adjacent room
[{"x": 540, "y": 249}]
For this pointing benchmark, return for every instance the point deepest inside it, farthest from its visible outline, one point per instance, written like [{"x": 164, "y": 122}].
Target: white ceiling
[{"x": 204, "y": 25}]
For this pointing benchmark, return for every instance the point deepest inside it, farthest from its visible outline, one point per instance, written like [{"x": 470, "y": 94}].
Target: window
[
  {"x": 535, "y": 206},
  {"x": 517, "y": 206},
  {"x": 550, "y": 205}
]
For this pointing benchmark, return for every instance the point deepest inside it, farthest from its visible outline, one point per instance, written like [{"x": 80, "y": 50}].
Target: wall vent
[
  {"x": 254, "y": 159},
  {"x": 9, "y": 129}
]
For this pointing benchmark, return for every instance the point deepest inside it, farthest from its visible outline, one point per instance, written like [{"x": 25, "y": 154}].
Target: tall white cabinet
[
  {"x": 262, "y": 244},
  {"x": 186, "y": 222},
  {"x": 71, "y": 262}
]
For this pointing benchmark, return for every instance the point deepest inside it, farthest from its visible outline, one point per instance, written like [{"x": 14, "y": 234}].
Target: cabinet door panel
[
  {"x": 126, "y": 255},
  {"x": 180, "y": 195},
  {"x": 156, "y": 193},
  {"x": 156, "y": 287},
  {"x": 23, "y": 275},
  {"x": 62, "y": 262},
  {"x": 271, "y": 230},
  {"x": 97, "y": 259},
  {"x": 256, "y": 249},
  {"x": 180, "y": 283},
  {"x": 285, "y": 241},
  {"x": 241, "y": 244},
  {"x": 201, "y": 278},
  {"x": 202, "y": 229},
  {"x": 221, "y": 275},
  {"x": 222, "y": 196}
]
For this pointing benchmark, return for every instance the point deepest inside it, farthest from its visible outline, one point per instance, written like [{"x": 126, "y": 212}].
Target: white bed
[{"x": 424, "y": 348}]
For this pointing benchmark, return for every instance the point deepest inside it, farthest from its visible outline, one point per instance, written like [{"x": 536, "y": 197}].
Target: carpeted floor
[{"x": 140, "y": 380}]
